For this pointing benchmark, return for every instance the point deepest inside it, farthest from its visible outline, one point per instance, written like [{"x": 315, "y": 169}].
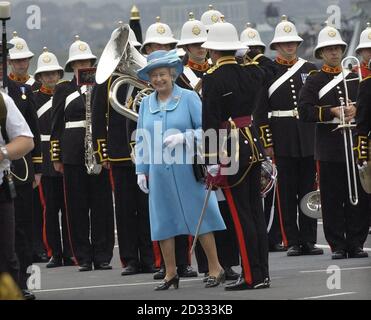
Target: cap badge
[
  {"x": 82, "y": 47},
  {"x": 19, "y": 46},
  {"x": 196, "y": 30},
  {"x": 47, "y": 59},
  {"x": 332, "y": 33},
  {"x": 251, "y": 34},
  {"x": 287, "y": 28},
  {"x": 160, "y": 29},
  {"x": 214, "y": 18}
]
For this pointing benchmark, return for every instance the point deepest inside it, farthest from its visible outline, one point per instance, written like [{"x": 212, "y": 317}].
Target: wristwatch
[{"x": 5, "y": 153}]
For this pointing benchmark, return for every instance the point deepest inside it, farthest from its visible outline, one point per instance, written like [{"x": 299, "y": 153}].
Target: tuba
[
  {"x": 120, "y": 58},
  {"x": 310, "y": 205}
]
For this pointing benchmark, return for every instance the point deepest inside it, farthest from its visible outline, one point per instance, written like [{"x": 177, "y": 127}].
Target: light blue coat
[{"x": 175, "y": 197}]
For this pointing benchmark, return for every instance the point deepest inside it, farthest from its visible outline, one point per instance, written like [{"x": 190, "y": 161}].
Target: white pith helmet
[
  {"x": 79, "y": 50},
  {"x": 251, "y": 37},
  {"x": 223, "y": 36},
  {"x": 365, "y": 38},
  {"x": 210, "y": 17},
  {"x": 193, "y": 31},
  {"x": 159, "y": 32},
  {"x": 285, "y": 32},
  {"x": 328, "y": 36},
  {"x": 20, "y": 49},
  {"x": 47, "y": 62}
]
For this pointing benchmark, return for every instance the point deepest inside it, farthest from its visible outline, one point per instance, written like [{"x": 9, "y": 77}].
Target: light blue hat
[{"x": 161, "y": 59}]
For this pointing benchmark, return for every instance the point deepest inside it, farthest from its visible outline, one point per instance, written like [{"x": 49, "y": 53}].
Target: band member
[
  {"x": 364, "y": 50},
  {"x": 110, "y": 134},
  {"x": 19, "y": 61},
  {"x": 251, "y": 38},
  {"x": 364, "y": 123},
  {"x": 229, "y": 94},
  {"x": 92, "y": 236},
  {"x": 345, "y": 225},
  {"x": 292, "y": 140},
  {"x": 192, "y": 36},
  {"x": 26, "y": 172},
  {"x": 160, "y": 37},
  {"x": 175, "y": 196},
  {"x": 48, "y": 73},
  {"x": 15, "y": 142},
  {"x": 210, "y": 16}
]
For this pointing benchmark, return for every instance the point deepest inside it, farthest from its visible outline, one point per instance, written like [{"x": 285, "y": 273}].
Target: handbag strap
[{"x": 3, "y": 115}]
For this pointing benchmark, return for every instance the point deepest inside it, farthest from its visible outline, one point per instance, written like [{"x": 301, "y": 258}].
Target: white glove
[
  {"x": 213, "y": 170},
  {"x": 173, "y": 140},
  {"x": 142, "y": 182}
]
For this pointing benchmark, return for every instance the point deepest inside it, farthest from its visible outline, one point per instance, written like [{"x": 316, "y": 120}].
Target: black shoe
[
  {"x": 85, "y": 267},
  {"x": 241, "y": 284},
  {"x": 54, "y": 262},
  {"x": 129, "y": 270},
  {"x": 230, "y": 274},
  {"x": 310, "y": 249},
  {"x": 40, "y": 258},
  {"x": 277, "y": 248},
  {"x": 294, "y": 251},
  {"x": 357, "y": 253},
  {"x": 267, "y": 282},
  {"x": 187, "y": 272},
  {"x": 215, "y": 281},
  {"x": 67, "y": 261},
  {"x": 206, "y": 276},
  {"x": 28, "y": 295},
  {"x": 102, "y": 266},
  {"x": 160, "y": 274},
  {"x": 339, "y": 254},
  {"x": 167, "y": 284}
]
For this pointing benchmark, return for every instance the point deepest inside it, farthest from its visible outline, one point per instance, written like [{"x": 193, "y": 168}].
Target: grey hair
[{"x": 173, "y": 74}]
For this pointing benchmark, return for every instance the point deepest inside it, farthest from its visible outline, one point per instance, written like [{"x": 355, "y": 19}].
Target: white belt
[
  {"x": 285, "y": 113},
  {"x": 44, "y": 137},
  {"x": 75, "y": 124}
]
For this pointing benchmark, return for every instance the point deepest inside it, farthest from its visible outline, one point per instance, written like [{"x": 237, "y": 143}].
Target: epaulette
[
  {"x": 368, "y": 77},
  {"x": 212, "y": 69},
  {"x": 314, "y": 71},
  {"x": 63, "y": 81}
]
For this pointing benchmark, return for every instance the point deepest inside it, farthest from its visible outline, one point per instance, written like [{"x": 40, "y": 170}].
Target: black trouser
[
  {"x": 38, "y": 221},
  {"x": 345, "y": 225},
  {"x": 23, "y": 205},
  {"x": 226, "y": 243},
  {"x": 296, "y": 177},
  {"x": 245, "y": 205},
  {"x": 8, "y": 258},
  {"x": 274, "y": 234},
  {"x": 132, "y": 218},
  {"x": 89, "y": 214},
  {"x": 54, "y": 202}
]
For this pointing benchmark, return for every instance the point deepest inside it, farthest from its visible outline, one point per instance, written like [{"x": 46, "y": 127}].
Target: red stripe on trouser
[
  {"x": 241, "y": 240},
  {"x": 112, "y": 180},
  {"x": 284, "y": 238},
  {"x": 157, "y": 253},
  {"x": 190, "y": 242},
  {"x": 68, "y": 221},
  {"x": 43, "y": 204}
]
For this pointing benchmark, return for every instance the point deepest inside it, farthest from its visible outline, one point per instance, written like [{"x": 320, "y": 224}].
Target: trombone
[{"x": 347, "y": 127}]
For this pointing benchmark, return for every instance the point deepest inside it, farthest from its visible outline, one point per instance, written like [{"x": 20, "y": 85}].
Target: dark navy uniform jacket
[
  {"x": 24, "y": 99},
  {"x": 329, "y": 144},
  {"x": 291, "y": 136}
]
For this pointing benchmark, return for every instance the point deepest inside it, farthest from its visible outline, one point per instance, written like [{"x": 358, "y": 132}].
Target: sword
[{"x": 201, "y": 217}]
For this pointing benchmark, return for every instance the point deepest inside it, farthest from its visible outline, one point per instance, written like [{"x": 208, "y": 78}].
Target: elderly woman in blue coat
[{"x": 169, "y": 121}]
